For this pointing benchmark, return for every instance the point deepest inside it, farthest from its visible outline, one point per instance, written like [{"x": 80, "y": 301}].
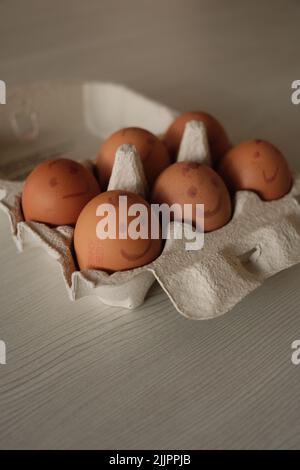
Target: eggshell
[
  {"x": 112, "y": 254},
  {"x": 258, "y": 166},
  {"x": 56, "y": 191},
  {"x": 153, "y": 153},
  {"x": 194, "y": 183},
  {"x": 218, "y": 140}
]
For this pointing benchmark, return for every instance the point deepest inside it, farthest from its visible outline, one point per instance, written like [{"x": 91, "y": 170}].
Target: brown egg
[
  {"x": 56, "y": 190},
  {"x": 153, "y": 152},
  {"x": 113, "y": 254},
  {"x": 194, "y": 183},
  {"x": 218, "y": 140},
  {"x": 258, "y": 166}
]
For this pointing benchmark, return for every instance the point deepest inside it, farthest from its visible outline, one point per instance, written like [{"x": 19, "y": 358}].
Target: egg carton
[{"x": 262, "y": 238}]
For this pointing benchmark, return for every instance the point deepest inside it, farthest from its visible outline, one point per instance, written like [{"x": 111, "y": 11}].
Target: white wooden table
[{"x": 84, "y": 375}]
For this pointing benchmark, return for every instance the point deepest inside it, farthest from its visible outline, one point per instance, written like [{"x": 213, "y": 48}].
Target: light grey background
[{"x": 85, "y": 375}]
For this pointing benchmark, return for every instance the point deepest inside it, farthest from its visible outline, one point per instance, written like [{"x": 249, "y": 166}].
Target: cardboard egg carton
[{"x": 262, "y": 238}]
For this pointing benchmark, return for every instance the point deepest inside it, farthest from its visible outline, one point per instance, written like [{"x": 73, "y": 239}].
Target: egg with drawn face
[
  {"x": 194, "y": 183},
  {"x": 257, "y": 165},
  {"x": 119, "y": 251},
  {"x": 153, "y": 153},
  {"x": 217, "y": 138},
  {"x": 56, "y": 191}
]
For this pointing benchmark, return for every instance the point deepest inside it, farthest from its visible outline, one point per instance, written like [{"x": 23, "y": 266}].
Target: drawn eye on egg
[
  {"x": 73, "y": 170},
  {"x": 113, "y": 201},
  {"x": 215, "y": 182},
  {"x": 192, "y": 191},
  {"x": 53, "y": 182}
]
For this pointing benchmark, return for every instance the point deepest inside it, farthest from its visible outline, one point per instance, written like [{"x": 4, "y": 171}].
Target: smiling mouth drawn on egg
[
  {"x": 271, "y": 179},
  {"x": 80, "y": 193},
  {"x": 211, "y": 213},
  {"x": 134, "y": 257}
]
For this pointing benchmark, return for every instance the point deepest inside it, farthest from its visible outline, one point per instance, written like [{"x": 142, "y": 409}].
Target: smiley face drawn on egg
[
  {"x": 210, "y": 183},
  {"x": 194, "y": 183},
  {"x": 113, "y": 254},
  {"x": 77, "y": 181},
  {"x": 56, "y": 191},
  {"x": 258, "y": 166},
  {"x": 192, "y": 191}
]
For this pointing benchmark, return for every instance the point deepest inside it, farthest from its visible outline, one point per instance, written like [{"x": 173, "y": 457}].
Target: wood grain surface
[{"x": 85, "y": 375}]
